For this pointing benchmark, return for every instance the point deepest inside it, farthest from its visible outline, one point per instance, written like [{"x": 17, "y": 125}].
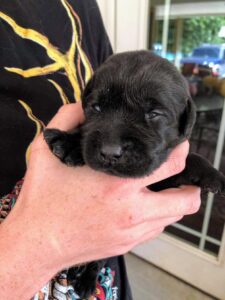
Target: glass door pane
[{"x": 191, "y": 35}]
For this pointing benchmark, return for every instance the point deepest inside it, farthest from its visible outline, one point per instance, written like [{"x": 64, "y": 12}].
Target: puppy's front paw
[
  {"x": 65, "y": 146},
  {"x": 200, "y": 172},
  {"x": 56, "y": 141},
  {"x": 214, "y": 183}
]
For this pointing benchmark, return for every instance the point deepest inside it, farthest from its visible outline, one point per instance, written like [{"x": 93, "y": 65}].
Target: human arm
[{"x": 62, "y": 211}]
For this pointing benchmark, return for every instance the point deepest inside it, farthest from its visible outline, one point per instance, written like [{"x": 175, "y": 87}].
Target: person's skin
[{"x": 65, "y": 215}]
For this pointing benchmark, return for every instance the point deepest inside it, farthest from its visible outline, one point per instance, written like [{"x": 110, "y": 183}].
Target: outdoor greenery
[
  {"x": 199, "y": 30},
  {"x": 196, "y": 31}
]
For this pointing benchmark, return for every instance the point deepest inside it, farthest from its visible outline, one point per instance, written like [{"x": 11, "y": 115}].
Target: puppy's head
[{"x": 137, "y": 109}]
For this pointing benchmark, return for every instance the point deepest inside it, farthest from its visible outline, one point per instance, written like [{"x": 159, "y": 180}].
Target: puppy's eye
[
  {"x": 96, "y": 107},
  {"x": 152, "y": 115}
]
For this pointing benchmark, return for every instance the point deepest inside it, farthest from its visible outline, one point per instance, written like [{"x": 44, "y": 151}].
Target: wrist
[{"x": 25, "y": 264}]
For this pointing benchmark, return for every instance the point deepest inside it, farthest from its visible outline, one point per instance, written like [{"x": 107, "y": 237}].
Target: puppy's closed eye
[{"x": 154, "y": 114}]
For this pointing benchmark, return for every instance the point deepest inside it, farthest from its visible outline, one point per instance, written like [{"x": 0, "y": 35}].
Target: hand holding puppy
[{"x": 65, "y": 216}]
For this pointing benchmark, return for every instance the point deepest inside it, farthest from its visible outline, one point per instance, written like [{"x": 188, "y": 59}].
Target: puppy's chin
[
  {"x": 138, "y": 170},
  {"x": 112, "y": 170}
]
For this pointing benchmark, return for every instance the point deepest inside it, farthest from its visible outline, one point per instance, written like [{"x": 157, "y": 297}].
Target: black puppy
[{"x": 137, "y": 108}]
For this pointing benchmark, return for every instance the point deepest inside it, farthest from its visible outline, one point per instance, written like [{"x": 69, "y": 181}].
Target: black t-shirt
[{"x": 48, "y": 51}]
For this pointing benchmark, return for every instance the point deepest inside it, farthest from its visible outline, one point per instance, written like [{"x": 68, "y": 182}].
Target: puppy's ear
[{"x": 187, "y": 119}]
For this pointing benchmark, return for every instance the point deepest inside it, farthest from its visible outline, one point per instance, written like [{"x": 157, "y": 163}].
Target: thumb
[{"x": 68, "y": 117}]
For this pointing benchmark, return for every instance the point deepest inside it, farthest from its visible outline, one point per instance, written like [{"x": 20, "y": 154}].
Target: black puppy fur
[{"x": 137, "y": 108}]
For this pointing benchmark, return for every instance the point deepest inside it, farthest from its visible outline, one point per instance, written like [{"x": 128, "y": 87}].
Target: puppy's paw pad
[
  {"x": 69, "y": 160},
  {"x": 58, "y": 150},
  {"x": 215, "y": 185}
]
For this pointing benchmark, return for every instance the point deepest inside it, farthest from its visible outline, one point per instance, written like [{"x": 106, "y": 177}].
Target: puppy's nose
[{"x": 111, "y": 152}]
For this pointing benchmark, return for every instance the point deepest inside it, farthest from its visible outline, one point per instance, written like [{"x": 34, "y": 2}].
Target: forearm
[{"x": 24, "y": 268}]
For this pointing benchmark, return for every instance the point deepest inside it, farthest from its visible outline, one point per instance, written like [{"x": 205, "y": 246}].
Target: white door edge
[{"x": 185, "y": 262}]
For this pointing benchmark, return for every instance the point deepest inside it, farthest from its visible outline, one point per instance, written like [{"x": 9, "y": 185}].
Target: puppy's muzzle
[{"x": 111, "y": 153}]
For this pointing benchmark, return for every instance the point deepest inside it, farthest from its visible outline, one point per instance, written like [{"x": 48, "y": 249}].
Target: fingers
[
  {"x": 171, "y": 202},
  {"x": 149, "y": 236},
  {"x": 145, "y": 231},
  {"x": 164, "y": 212},
  {"x": 68, "y": 117},
  {"x": 151, "y": 225},
  {"x": 174, "y": 165}
]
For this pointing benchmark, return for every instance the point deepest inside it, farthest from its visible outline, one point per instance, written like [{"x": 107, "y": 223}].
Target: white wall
[
  {"x": 108, "y": 12},
  {"x": 126, "y": 22}
]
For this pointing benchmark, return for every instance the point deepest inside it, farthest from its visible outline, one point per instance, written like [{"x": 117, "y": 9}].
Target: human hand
[{"x": 73, "y": 215}]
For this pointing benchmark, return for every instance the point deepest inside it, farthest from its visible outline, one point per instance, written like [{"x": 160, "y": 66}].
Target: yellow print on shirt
[
  {"x": 70, "y": 62},
  {"x": 62, "y": 61}
]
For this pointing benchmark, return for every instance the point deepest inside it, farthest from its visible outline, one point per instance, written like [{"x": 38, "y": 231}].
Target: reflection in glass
[{"x": 195, "y": 43}]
